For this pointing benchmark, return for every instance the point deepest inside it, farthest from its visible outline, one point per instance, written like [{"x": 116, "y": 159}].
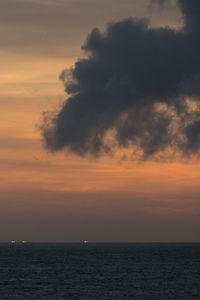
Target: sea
[{"x": 100, "y": 271}]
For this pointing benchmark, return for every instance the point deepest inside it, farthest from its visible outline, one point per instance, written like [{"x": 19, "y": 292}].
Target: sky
[{"x": 71, "y": 193}]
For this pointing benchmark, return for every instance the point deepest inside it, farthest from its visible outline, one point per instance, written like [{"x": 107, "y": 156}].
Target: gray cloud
[{"x": 133, "y": 85}]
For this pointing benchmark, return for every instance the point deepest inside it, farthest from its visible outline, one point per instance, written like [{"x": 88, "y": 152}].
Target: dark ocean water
[{"x": 100, "y": 271}]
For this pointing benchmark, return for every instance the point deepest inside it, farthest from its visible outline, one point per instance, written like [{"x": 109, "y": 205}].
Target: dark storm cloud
[{"x": 133, "y": 85}]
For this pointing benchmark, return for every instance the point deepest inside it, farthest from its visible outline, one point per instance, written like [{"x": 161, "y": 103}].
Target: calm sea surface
[{"x": 100, "y": 271}]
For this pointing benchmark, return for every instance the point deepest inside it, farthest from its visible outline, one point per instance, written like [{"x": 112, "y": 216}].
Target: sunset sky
[{"x": 61, "y": 196}]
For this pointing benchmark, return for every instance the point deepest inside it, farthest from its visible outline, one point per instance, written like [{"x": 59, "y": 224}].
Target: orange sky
[{"x": 59, "y": 197}]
